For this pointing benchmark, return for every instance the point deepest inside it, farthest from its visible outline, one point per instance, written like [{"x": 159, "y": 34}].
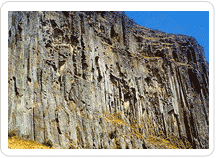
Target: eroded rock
[{"x": 97, "y": 80}]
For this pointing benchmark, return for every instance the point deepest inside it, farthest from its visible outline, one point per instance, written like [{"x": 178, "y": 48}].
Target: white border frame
[{"x": 99, "y": 6}]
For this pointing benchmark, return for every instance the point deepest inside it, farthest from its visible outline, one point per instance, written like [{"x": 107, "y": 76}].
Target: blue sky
[{"x": 191, "y": 23}]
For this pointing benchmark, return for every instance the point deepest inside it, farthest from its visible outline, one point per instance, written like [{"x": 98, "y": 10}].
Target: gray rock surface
[{"x": 97, "y": 80}]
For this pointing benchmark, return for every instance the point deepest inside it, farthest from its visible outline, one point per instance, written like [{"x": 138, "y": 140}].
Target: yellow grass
[
  {"x": 151, "y": 57},
  {"x": 157, "y": 141},
  {"x": 18, "y": 143},
  {"x": 161, "y": 143},
  {"x": 113, "y": 118}
]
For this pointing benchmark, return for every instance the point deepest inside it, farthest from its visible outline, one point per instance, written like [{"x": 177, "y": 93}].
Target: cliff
[{"x": 97, "y": 80}]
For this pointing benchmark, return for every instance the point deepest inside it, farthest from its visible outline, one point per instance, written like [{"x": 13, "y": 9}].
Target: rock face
[{"x": 98, "y": 80}]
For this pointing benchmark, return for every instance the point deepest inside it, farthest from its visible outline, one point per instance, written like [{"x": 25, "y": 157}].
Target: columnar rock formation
[{"x": 98, "y": 80}]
